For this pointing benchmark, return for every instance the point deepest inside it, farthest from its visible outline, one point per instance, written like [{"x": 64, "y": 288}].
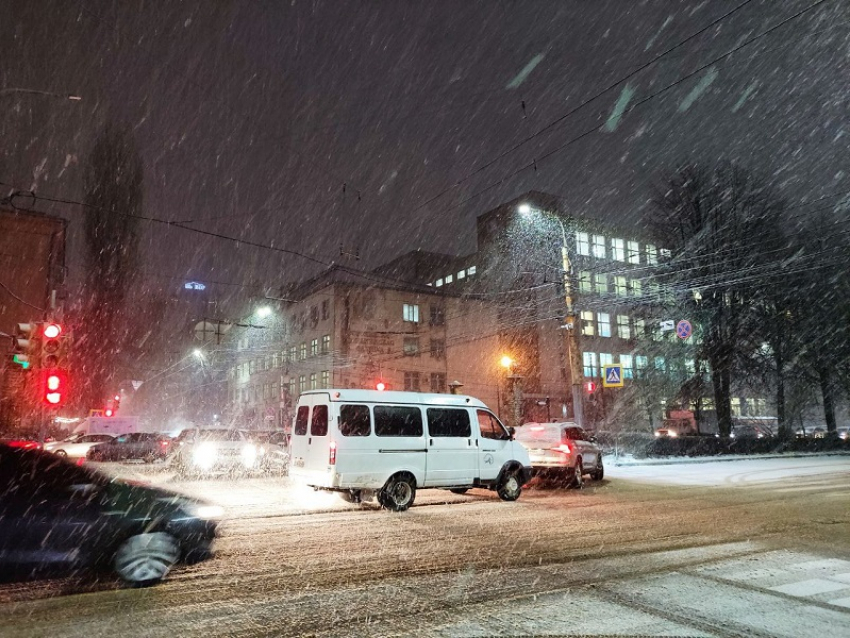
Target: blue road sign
[
  {"x": 612, "y": 376},
  {"x": 683, "y": 329}
]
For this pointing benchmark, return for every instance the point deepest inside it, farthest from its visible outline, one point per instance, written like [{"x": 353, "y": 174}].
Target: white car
[
  {"x": 78, "y": 445},
  {"x": 206, "y": 452},
  {"x": 562, "y": 451}
]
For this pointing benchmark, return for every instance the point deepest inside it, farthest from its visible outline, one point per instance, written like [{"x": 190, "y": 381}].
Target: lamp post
[{"x": 570, "y": 321}]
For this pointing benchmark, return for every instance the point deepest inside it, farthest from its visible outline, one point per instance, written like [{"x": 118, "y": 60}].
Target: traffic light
[
  {"x": 25, "y": 345},
  {"x": 590, "y": 387},
  {"x": 380, "y": 386},
  {"x": 51, "y": 345},
  {"x": 55, "y": 386}
]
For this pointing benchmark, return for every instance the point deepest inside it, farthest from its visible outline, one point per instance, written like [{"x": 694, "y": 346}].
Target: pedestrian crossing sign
[{"x": 612, "y": 376}]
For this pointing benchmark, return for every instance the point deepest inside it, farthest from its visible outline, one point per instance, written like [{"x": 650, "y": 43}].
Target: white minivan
[{"x": 364, "y": 443}]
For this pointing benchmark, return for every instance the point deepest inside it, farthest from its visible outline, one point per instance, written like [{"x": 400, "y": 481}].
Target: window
[
  {"x": 302, "y": 383},
  {"x": 604, "y": 323},
  {"x": 393, "y": 420},
  {"x": 637, "y": 289},
  {"x": 438, "y": 316},
  {"x": 471, "y": 271},
  {"x": 319, "y": 422},
  {"x": 591, "y": 368},
  {"x": 660, "y": 364},
  {"x": 599, "y": 246},
  {"x": 641, "y": 362},
  {"x": 438, "y": 348},
  {"x": 314, "y": 316},
  {"x": 411, "y": 381},
  {"x": 302, "y": 351},
  {"x": 410, "y": 312},
  {"x": 314, "y": 347},
  {"x": 252, "y": 366},
  {"x": 438, "y": 382},
  {"x": 605, "y": 359},
  {"x": 411, "y": 346},
  {"x": 461, "y": 274},
  {"x": 449, "y": 279},
  {"x": 354, "y": 420},
  {"x": 620, "y": 287},
  {"x": 326, "y": 309},
  {"x": 293, "y": 353},
  {"x": 627, "y": 365},
  {"x": 651, "y": 255},
  {"x": 640, "y": 328},
  {"x": 445, "y": 422},
  {"x": 665, "y": 253},
  {"x": 584, "y": 282},
  {"x": 624, "y": 330},
  {"x": 601, "y": 283},
  {"x": 618, "y": 250},
  {"x": 583, "y": 244},
  {"x": 438, "y": 283},
  {"x": 491, "y": 428},
  {"x": 301, "y": 420},
  {"x": 736, "y": 406},
  {"x": 326, "y": 379},
  {"x": 326, "y": 344},
  {"x": 633, "y": 253},
  {"x": 587, "y": 327},
  {"x": 313, "y": 384}
]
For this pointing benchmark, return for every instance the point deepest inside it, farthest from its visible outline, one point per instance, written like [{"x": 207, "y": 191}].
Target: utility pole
[{"x": 570, "y": 326}]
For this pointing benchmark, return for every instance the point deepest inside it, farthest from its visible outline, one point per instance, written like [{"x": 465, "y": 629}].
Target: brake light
[
  {"x": 332, "y": 453},
  {"x": 164, "y": 443},
  {"x": 537, "y": 428},
  {"x": 563, "y": 447}
]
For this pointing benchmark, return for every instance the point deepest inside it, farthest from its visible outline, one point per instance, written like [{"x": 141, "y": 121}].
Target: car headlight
[
  {"x": 204, "y": 455},
  {"x": 249, "y": 455},
  {"x": 206, "y": 512}
]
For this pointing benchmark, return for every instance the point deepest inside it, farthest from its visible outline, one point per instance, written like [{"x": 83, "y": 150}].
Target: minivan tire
[
  {"x": 398, "y": 494},
  {"x": 510, "y": 486}
]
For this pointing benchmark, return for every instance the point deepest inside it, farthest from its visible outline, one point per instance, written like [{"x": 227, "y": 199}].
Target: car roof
[{"x": 394, "y": 396}]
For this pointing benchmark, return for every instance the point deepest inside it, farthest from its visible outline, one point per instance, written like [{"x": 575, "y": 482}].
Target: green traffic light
[{"x": 22, "y": 361}]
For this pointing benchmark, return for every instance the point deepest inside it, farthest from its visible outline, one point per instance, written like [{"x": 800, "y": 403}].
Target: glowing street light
[
  {"x": 263, "y": 312},
  {"x": 506, "y": 362}
]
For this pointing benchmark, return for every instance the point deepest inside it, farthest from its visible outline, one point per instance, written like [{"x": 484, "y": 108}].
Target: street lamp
[
  {"x": 263, "y": 312},
  {"x": 570, "y": 321}
]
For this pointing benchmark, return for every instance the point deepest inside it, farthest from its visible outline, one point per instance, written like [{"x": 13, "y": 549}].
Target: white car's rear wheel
[{"x": 145, "y": 559}]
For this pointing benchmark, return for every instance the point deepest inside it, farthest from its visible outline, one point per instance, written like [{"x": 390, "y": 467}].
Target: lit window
[
  {"x": 599, "y": 246},
  {"x": 637, "y": 288},
  {"x": 293, "y": 353},
  {"x": 326, "y": 379},
  {"x": 587, "y": 327},
  {"x": 326, "y": 344},
  {"x": 439, "y": 283},
  {"x": 651, "y": 255},
  {"x": 461, "y": 274},
  {"x": 605, "y": 359},
  {"x": 314, "y": 347},
  {"x": 302, "y": 351},
  {"x": 736, "y": 406},
  {"x": 313, "y": 384},
  {"x": 591, "y": 368},
  {"x": 626, "y": 363},
  {"x": 302, "y": 383},
  {"x": 604, "y": 321},
  {"x": 634, "y": 252},
  {"x": 665, "y": 253},
  {"x": 641, "y": 362},
  {"x": 618, "y": 250},
  {"x": 601, "y": 283},
  {"x": 624, "y": 330},
  {"x": 410, "y": 312},
  {"x": 620, "y": 286},
  {"x": 583, "y": 244},
  {"x": 470, "y": 271},
  {"x": 449, "y": 279},
  {"x": 584, "y": 282}
]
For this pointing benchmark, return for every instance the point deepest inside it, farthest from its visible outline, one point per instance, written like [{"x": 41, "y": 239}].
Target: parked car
[
  {"x": 750, "y": 431},
  {"x": 218, "y": 451},
  {"x": 78, "y": 445},
  {"x": 563, "y": 451},
  {"x": 136, "y": 445},
  {"x": 58, "y": 516}
]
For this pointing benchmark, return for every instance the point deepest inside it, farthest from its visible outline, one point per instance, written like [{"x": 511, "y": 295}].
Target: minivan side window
[
  {"x": 301, "y": 420},
  {"x": 491, "y": 428},
  {"x": 354, "y": 420},
  {"x": 391, "y": 420},
  {"x": 319, "y": 424},
  {"x": 448, "y": 422}
]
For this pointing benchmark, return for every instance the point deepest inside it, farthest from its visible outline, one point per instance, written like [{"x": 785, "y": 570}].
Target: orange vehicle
[{"x": 678, "y": 423}]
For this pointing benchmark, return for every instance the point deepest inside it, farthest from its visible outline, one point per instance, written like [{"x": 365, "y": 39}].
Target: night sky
[{"x": 250, "y": 116}]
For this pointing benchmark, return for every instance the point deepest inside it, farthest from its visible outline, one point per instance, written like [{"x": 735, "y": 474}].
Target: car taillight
[
  {"x": 332, "y": 453},
  {"x": 563, "y": 447},
  {"x": 164, "y": 443}
]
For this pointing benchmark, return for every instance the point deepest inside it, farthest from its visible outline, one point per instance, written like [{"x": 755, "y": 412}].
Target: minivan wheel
[
  {"x": 398, "y": 494},
  {"x": 145, "y": 559},
  {"x": 510, "y": 487},
  {"x": 578, "y": 475}
]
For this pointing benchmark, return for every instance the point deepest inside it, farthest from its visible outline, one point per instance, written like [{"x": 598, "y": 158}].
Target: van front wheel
[
  {"x": 398, "y": 494},
  {"x": 510, "y": 486}
]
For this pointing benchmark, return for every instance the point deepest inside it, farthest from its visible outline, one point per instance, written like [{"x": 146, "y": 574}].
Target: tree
[
  {"x": 722, "y": 227},
  {"x": 114, "y": 199}
]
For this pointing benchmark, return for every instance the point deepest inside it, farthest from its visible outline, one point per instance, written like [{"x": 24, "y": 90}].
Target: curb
[{"x": 725, "y": 458}]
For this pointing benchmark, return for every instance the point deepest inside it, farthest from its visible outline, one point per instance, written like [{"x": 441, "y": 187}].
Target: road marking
[
  {"x": 809, "y": 587},
  {"x": 841, "y": 602}
]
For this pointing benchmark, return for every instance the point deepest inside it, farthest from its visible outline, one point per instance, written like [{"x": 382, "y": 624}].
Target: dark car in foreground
[
  {"x": 59, "y": 517},
  {"x": 138, "y": 445}
]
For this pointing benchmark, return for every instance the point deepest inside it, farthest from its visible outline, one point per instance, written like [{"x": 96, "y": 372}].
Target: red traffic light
[
  {"x": 52, "y": 330},
  {"x": 54, "y": 388},
  {"x": 590, "y": 387},
  {"x": 380, "y": 386},
  {"x": 108, "y": 412}
]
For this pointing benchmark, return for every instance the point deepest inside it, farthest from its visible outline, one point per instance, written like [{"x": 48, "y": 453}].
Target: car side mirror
[{"x": 512, "y": 432}]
